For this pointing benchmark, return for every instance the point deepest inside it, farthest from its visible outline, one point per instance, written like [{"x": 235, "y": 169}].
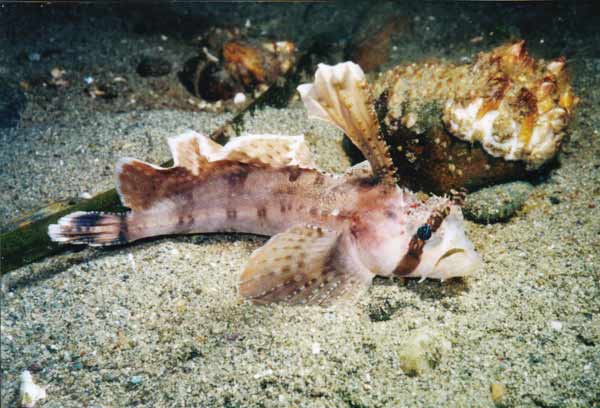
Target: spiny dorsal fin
[
  {"x": 196, "y": 156},
  {"x": 191, "y": 150},
  {"x": 340, "y": 95},
  {"x": 304, "y": 265}
]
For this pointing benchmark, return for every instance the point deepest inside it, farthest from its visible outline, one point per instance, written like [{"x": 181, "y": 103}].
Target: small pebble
[
  {"x": 316, "y": 348},
  {"x": 153, "y": 67},
  {"x": 239, "y": 98},
  {"x": 29, "y": 392},
  {"x": 136, "y": 380},
  {"x": 556, "y": 325},
  {"x": 498, "y": 391},
  {"x": 34, "y": 56},
  {"x": 554, "y": 200},
  {"x": 422, "y": 351},
  {"x": 496, "y": 203}
]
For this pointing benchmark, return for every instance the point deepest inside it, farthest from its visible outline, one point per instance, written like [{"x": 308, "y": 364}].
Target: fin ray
[
  {"x": 304, "y": 265},
  {"x": 340, "y": 95}
]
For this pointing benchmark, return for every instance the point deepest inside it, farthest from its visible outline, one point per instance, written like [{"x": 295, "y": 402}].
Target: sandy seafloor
[{"x": 159, "y": 323}]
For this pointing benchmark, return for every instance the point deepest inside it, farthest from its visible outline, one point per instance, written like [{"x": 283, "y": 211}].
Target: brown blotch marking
[
  {"x": 237, "y": 178},
  {"x": 261, "y": 212},
  {"x": 231, "y": 213},
  {"x": 313, "y": 211},
  {"x": 319, "y": 179},
  {"x": 286, "y": 269},
  {"x": 294, "y": 173},
  {"x": 282, "y": 207},
  {"x": 301, "y": 264}
]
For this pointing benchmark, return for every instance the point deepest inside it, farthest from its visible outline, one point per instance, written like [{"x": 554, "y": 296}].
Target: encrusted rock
[
  {"x": 497, "y": 203},
  {"x": 499, "y": 118}
]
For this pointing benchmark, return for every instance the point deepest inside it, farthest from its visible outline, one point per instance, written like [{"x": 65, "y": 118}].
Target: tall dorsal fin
[
  {"x": 340, "y": 95},
  {"x": 306, "y": 265}
]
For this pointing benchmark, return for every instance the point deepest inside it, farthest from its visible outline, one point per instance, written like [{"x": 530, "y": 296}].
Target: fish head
[{"x": 434, "y": 244}]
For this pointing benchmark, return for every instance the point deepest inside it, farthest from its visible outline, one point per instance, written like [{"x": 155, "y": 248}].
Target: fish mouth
[{"x": 457, "y": 262}]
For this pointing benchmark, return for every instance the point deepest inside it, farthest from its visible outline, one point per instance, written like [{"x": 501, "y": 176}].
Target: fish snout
[{"x": 458, "y": 261}]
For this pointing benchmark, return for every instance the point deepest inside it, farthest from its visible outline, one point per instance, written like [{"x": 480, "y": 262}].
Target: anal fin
[{"x": 304, "y": 265}]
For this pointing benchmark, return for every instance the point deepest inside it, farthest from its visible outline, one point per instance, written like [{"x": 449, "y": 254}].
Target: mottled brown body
[{"x": 241, "y": 197}]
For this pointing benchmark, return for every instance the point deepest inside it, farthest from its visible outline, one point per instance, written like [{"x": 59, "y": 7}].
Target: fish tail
[{"x": 91, "y": 228}]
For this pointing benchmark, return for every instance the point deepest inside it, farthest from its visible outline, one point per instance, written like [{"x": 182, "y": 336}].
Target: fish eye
[{"x": 424, "y": 232}]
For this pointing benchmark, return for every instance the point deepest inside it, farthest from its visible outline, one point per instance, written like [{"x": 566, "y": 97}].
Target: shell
[{"x": 511, "y": 107}]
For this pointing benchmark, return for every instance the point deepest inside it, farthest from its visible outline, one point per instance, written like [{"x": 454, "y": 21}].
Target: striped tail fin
[{"x": 91, "y": 228}]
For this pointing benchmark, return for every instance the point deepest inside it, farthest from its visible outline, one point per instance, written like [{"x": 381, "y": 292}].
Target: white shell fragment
[
  {"x": 30, "y": 393},
  {"x": 239, "y": 98},
  {"x": 316, "y": 348}
]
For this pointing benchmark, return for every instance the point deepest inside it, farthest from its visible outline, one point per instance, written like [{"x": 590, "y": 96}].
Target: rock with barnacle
[{"x": 500, "y": 118}]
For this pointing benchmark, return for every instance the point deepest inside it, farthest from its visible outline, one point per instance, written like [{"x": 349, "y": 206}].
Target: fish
[{"x": 330, "y": 234}]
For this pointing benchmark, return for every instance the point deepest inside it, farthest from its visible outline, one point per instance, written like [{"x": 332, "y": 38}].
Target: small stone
[
  {"x": 153, "y": 67},
  {"x": 316, "y": 348},
  {"x": 34, "y": 56},
  {"x": 496, "y": 203},
  {"x": 239, "y": 98},
  {"x": 422, "y": 351},
  {"x": 136, "y": 380},
  {"x": 497, "y": 391},
  {"x": 30, "y": 393},
  {"x": 554, "y": 200},
  {"x": 382, "y": 310},
  {"x": 556, "y": 325}
]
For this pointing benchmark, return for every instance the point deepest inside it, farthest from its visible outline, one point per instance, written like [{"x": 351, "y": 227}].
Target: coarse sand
[{"x": 159, "y": 323}]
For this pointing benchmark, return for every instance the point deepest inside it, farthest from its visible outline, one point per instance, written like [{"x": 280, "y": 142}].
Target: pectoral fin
[{"x": 304, "y": 265}]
